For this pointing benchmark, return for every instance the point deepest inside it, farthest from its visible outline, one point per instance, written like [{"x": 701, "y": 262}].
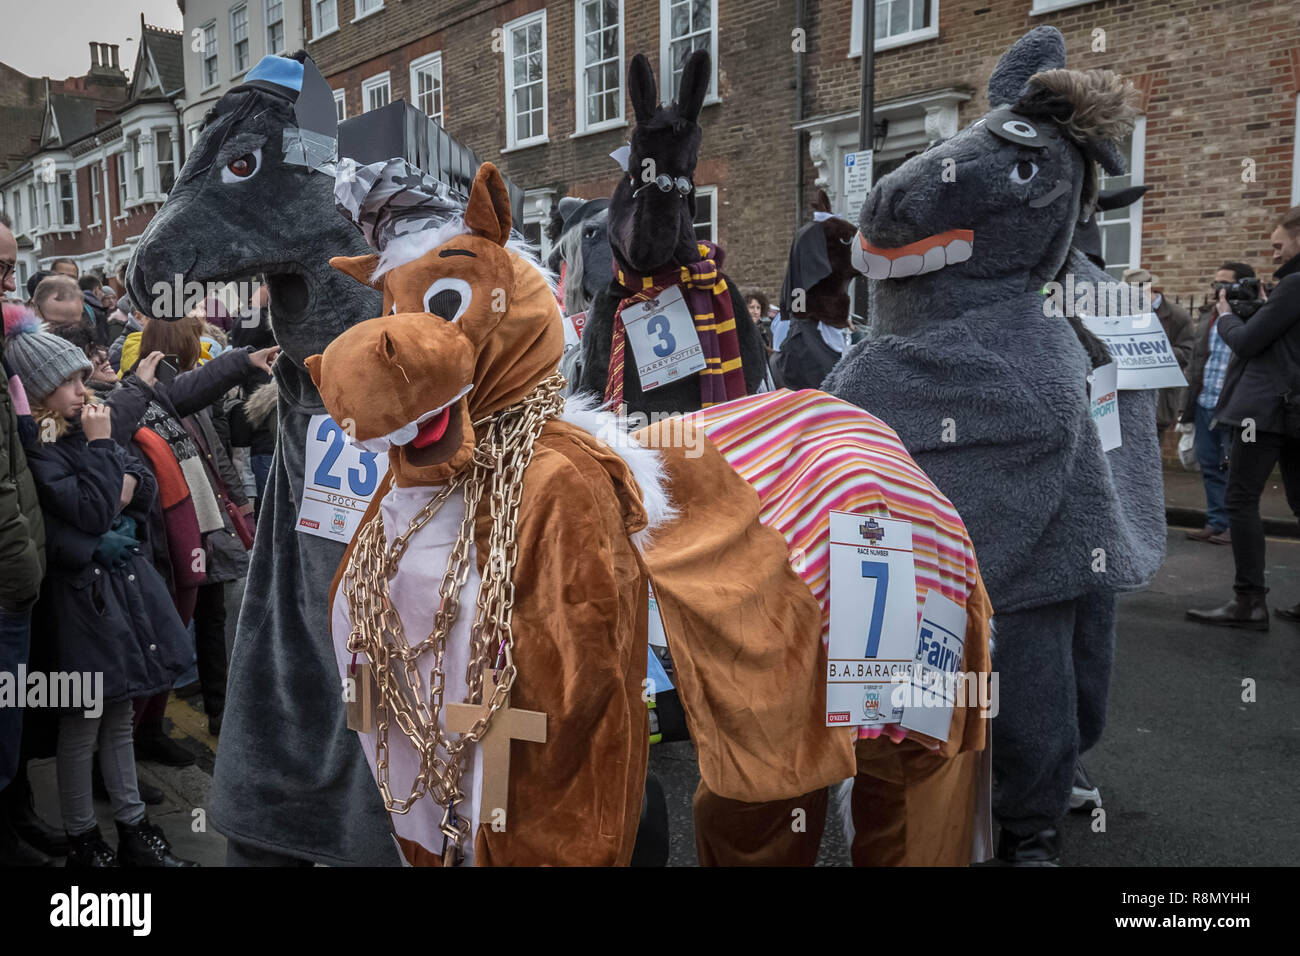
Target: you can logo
[
  {"x": 340, "y": 523},
  {"x": 75, "y": 909}
]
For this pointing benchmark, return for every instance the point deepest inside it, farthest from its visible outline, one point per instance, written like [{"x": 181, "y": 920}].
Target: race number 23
[
  {"x": 878, "y": 571},
  {"x": 361, "y": 482}
]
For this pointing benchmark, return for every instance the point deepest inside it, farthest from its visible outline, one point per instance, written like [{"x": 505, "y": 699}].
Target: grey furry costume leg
[{"x": 1053, "y": 665}]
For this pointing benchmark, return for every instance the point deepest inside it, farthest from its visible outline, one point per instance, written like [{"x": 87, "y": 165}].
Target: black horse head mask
[{"x": 653, "y": 208}]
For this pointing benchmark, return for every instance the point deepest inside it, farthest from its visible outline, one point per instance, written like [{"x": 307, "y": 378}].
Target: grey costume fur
[
  {"x": 989, "y": 395},
  {"x": 290, "y": 777}
]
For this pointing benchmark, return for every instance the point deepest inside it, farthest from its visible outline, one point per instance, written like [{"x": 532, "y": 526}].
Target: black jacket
[
  {"x": 805, "y": 359},
  {"x": 189, "y": 393},
  {"x": 1265, "y": 356},
  {"x": 94, "y": 616}
]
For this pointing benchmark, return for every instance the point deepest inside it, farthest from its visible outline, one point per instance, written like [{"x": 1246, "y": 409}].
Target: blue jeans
[
  {"x": 15, "y": 643},
  {"x": 1212, "y": 446}
]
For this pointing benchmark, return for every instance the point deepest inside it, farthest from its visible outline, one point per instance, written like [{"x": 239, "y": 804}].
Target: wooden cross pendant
[{"x": 507, "y": 725}]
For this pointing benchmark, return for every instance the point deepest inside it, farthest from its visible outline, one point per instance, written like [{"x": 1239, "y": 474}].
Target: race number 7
[
  {"x": 359, "y": 484},
  {"x": 878, "y": 571}
]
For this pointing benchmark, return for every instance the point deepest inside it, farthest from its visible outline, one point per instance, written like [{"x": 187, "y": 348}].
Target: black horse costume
[
  {"x": 652, "y": 236},
  {"x": 815, "y": 299},
  {"x": 257, "y": 195}
]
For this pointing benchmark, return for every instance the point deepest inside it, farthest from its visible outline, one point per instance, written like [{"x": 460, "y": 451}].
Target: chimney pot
[
  {"x": 113, "y": 47},
  {"x": 94, "y": 55}
]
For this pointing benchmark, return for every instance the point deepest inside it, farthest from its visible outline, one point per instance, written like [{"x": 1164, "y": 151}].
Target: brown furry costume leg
[
  {"x": 911, "y": 806},
  {"x": 732, "y": 833}
]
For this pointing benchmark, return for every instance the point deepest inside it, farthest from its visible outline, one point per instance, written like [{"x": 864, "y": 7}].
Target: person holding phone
[{"x": 193, "y": 530}]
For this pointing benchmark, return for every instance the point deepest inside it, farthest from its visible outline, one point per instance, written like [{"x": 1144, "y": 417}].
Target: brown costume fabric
[
  {"x": 911, "y": 806},
  {"x": 746, "y": 643},
  {"x": 731, "y": 833}
]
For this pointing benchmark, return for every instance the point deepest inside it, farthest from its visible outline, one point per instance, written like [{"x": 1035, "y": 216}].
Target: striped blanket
[{"x": 807, "y": 453}]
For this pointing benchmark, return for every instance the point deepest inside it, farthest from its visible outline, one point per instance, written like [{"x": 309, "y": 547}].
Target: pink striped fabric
[{"x": 807, "y": 453}]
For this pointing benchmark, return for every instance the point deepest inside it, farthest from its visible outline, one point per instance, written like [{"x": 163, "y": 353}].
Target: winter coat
[
  {"x": 94, "y": 615},
  {"x": 1265, "y": 356},
  {"x": 805, "y": 359},
  {"x": 1177, "y": 324},
  {"x": 188, "y": 393},
  {"x": 22, "y": 528},
  {"x": 253, "y": 418}
]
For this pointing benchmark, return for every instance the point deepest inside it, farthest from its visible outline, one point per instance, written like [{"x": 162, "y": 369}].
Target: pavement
[{"x": 1198, "y": 765}]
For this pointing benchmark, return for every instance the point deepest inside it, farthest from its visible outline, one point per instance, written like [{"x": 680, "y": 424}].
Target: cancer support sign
[{"x": 1140, "y": 348}]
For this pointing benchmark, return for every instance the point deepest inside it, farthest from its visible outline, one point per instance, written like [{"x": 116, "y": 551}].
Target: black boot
[
  {"x": 14, "y": 852},
  {"x": 1289, "y": 613},
  {"x": 1248, "y": 611},
  {"x": 19, "y": 806},
  {"x": 145, "y": 845},
  {"x": 89, "y": 850},
  {"x": 1038, "y": 849},
  {"x": 152, "y": 744}
]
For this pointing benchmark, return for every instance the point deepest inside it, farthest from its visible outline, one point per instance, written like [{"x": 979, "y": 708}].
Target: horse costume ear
[
  {"x": 641, "y": 88},
  {"x": 488, "y": 211},
  {"x": 360, "y": 268},
  {"x": 694, "y": 85},
  {"x": 1042, "y": 48}
]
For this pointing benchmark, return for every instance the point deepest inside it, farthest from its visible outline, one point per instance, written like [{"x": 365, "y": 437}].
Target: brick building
[
  {"x": 102, "y": 153},
  {"x": 224, "y": 40},
  {"x": 539, "y": 88}
]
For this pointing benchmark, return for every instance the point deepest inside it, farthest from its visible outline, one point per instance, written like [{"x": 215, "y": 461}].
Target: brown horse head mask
[{"x": 469, "y": 327}]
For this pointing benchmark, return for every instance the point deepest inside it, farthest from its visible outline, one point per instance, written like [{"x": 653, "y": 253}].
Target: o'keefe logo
[
  {"x": 872, "y": 531},
  {"x": 308, "y": 523}
]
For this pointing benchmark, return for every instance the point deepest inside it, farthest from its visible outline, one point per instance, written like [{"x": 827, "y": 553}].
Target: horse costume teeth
[
  {"x": 411, "y": 430},
  {"x": 914, "y": 259}
]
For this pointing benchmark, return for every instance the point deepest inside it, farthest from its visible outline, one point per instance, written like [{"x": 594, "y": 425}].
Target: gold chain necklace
[{"x": 499, "y": 461}]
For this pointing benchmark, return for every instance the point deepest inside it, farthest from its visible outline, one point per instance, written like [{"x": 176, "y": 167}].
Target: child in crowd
[{"x": 105, "y": 609}]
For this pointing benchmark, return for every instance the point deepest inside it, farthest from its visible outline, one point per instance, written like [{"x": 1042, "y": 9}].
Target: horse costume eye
[
  {"x": 1023, "y": 171},
  {"x": 448, "y": 298},
  {"x": 242, "y": 167}
]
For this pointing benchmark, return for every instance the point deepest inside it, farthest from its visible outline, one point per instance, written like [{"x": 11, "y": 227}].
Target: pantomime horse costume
[{"x": 988, "y": 390}]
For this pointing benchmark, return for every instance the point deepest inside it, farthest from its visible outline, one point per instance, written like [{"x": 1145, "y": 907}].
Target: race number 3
[
  {"x": 659, "y": 325},
  {"x": 361, "y": 482}
]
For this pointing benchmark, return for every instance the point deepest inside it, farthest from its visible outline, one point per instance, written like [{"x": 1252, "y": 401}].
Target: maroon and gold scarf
[{"x": 707, "y": 296}]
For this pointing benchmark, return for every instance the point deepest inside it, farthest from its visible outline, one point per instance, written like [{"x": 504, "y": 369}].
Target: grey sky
[{"x": 52, "y": 37}]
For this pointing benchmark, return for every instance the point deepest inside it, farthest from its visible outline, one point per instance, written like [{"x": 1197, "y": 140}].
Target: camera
[{"x": 1243, "y": 295}]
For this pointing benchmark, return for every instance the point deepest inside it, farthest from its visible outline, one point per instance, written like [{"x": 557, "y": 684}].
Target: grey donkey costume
[
  {"x": 990, "y": 397},
  {"x": 256, "y": 195}
]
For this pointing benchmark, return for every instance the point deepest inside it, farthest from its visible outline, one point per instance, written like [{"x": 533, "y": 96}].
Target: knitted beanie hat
[{"x": 41, "y": 361}]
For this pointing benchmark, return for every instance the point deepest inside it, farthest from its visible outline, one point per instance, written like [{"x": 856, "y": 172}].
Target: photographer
[
  {"x": 1205, "y": 376},
  {"x": 1261, "y": 402}
]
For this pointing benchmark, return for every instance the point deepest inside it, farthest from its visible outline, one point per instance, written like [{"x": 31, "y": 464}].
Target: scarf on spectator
[
  {"x": 188, "y": 457},
  {"x": 707, "y": 296}
]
